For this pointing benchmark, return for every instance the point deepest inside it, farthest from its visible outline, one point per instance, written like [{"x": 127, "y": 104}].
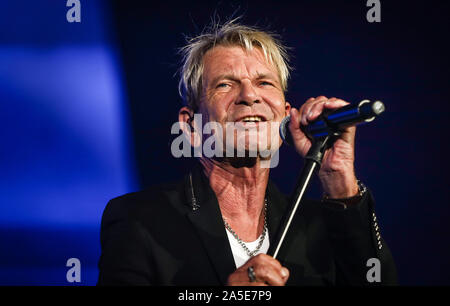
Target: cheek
[
  {"x": 214, "y": 114},
  {"x": 219, "y": 114},
  {"x": 219, "y": 106},
  {"x": 276, "y": 103}
]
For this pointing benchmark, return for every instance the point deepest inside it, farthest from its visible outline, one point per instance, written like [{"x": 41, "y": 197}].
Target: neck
[{"x": 240, "y": 191}]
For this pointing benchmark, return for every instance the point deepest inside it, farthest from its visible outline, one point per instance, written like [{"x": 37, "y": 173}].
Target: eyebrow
[
  {"x": 225, "y": 77},
  {"x": 233, "y": 78},
  {"x": 266, "y": 76}
]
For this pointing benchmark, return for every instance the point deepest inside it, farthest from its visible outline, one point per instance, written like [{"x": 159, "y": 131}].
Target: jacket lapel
[
  {"x": 206, "y": 217},
  {"x": 277, "y": 204}
]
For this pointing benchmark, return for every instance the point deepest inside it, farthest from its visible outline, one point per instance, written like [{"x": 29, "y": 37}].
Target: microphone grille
[
  {"x": 378, "y": 107},
  {"x": 284, "y": 129}
]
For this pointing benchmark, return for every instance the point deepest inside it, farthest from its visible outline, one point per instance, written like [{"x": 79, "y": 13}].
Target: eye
[
  {"x": 265, "y": 83},
  {"x": 222, "y": 85}
]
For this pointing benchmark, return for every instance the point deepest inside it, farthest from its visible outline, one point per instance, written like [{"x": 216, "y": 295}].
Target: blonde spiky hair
[{"x": 231, "y": 33}]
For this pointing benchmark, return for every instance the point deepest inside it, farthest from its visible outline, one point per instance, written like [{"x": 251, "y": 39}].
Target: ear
[
  {"x": 186, "y": 120},
  {"x": 287, "y": 108},
  {"x": 186, "y": 115}
]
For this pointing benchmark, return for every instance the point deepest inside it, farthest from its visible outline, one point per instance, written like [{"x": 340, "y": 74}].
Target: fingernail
[
  {"x": 284, "y": 272},
  {"x": 304, "y": 121}
]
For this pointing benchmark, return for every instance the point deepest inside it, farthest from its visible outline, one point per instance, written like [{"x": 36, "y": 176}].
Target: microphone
[{"x": 335, "y": 120}]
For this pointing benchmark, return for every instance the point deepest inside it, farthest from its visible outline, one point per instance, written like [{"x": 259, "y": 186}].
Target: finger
[
  {"x": 299, "y": 139},
  {"x": 268, "y": 269},
  {"x": 294, "y": 124},
  {"x": 285, "y": 273},
  {"x": 307, "y": 108},
  {"x": 276, "y": 274},
  {"x": 269, "y": 274},
  {"x": 240, "y": 277},
  {"x": 249, "y": 284},
  {"x": 262, "y": 259},
  {"x": 316, "y": 110},
  {"x": 335, "y": 103},
  {"x": 310, "y": 99},
  {"x": 257, "y": 284},
  {"x": 321, "y": 98}
]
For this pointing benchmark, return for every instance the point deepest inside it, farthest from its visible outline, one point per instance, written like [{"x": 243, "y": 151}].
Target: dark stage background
[{"x": 86, "y": 110}]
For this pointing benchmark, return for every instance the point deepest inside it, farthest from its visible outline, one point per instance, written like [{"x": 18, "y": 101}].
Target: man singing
[{"x": 216, "y": 225}]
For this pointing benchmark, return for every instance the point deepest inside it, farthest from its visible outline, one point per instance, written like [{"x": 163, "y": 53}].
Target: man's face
[{"x": 242, "y": 87}]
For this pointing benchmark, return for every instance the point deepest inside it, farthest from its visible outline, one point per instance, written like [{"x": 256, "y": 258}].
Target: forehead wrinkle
[{"x": 234, "y": 63}]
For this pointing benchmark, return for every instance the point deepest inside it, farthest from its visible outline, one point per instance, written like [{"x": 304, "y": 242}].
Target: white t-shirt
[{"x": 239, "y": 254}]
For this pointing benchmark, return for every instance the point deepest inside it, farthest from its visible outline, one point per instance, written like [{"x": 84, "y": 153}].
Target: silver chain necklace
[
  {"x": 242, "y": 243},
  {"x": 195, "y": 206}
]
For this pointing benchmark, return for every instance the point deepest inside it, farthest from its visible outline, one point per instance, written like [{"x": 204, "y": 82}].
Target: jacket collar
[{"x": 207, "y": 219}]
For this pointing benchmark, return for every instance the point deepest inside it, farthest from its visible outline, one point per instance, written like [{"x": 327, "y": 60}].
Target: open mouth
[{"x": 254, "y": 118}]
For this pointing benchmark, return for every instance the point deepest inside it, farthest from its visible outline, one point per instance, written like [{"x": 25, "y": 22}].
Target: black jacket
[{"x": 158, "y": 237}]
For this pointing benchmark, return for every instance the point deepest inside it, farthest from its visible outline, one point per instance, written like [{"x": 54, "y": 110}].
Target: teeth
[{"x": 252, "y": 119}]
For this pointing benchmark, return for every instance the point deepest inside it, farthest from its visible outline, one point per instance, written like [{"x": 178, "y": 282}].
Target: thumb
[
  {"x": 301, "y": 142},
  {"x": 295, "y": 119}
]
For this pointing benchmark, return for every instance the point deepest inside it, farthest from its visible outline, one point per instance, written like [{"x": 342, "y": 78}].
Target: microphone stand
[
  {"x": 322, "y": 136},
  {"x": 312, "y": 160}
]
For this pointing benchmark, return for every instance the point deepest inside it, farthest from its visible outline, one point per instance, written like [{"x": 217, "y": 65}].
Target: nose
[{"x": 248, "y": 95}]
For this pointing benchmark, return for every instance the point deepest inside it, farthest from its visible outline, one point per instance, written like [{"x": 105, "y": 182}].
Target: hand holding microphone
[
  {"x": 331, "y": 122},
  {"x": 337, "y": 169},
  {"x": 328, "y": 142}
]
